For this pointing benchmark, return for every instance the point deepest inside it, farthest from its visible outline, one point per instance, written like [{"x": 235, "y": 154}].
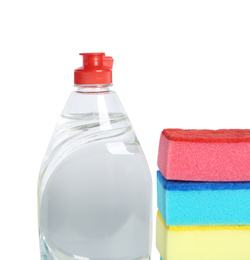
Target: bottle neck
[
  {"x": 98, "y": 88},
  {"x": 92, "y": 100}
]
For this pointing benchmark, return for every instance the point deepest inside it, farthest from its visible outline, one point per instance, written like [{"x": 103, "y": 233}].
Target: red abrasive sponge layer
[{"x": 205, "y": 155}]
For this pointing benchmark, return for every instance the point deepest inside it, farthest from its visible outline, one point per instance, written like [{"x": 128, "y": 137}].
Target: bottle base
[{"x": 45, "y": 257}]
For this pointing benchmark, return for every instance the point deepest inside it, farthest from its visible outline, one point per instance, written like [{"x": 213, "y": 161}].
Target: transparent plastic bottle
[{"x": 94, "y": 188}]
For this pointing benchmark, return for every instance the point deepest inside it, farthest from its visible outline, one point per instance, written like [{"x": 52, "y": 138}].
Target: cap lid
[{"x": 96, "y": 69}]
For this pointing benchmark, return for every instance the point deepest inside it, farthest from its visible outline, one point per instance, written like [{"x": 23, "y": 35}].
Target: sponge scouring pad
[
  {"x": 202, "y": 242},
  {"x": 205, "y": 155},
  {"x": 203, "y": 203}
]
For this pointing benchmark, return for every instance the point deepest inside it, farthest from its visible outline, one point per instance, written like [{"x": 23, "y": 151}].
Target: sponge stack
[{"x": 203, "y": 193}]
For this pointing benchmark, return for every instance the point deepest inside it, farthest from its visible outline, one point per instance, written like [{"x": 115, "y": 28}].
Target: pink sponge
[{"x": 205, "y": 155}]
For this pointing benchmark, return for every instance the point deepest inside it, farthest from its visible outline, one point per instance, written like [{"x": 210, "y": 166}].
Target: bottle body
[{"x": 95, "y": 186}]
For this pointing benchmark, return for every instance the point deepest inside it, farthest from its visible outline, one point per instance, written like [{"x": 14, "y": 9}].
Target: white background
[{"x": 177, "y": 63}]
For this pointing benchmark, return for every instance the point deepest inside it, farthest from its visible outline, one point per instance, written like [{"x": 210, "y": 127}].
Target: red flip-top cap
[{"x": 96, "y": 69}]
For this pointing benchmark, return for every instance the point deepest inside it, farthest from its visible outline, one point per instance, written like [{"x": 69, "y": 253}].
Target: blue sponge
[{"x": 203, "y": 203}]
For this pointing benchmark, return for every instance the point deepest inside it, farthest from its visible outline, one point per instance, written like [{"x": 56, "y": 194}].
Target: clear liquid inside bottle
[{"x": 95, "y": 185}]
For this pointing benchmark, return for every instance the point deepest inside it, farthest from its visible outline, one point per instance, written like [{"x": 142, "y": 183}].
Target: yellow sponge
[{"x": 202, "y": 242}]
